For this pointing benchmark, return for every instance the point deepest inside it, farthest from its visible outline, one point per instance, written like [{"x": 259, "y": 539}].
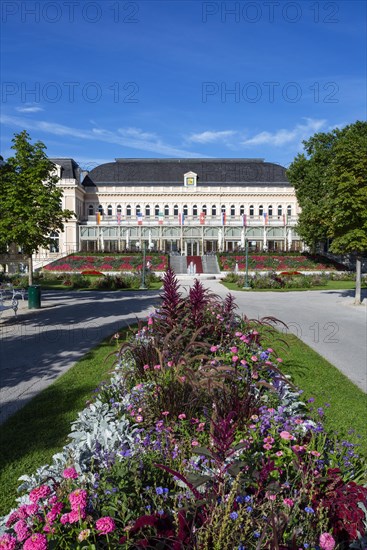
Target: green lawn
[
  {"x": 39, "y": 430},
  {"x": 331, "y": 285}
]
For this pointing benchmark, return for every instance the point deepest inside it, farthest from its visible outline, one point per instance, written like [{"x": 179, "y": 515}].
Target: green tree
[
  {"x": 330, "y": 181},
  {"x": 30, "y": 201}
]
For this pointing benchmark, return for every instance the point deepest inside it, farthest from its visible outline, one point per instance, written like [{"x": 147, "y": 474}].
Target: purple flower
[
  {"x": 309, "y": 510},
  {"x": 233, "y": 515}
]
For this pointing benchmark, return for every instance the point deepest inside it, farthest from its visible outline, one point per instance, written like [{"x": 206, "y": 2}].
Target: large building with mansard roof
[{"x": 193, "y": 206}]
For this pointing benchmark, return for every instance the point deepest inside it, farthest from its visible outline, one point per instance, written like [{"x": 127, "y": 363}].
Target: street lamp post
[
  {"x": 246, "y": 286},
  {"x": 143, "y": 286}
]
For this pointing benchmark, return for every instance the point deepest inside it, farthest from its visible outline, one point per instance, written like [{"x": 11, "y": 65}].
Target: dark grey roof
[
  {"x": 69, "y": 168},
  {"x": 171, "y": 172}
]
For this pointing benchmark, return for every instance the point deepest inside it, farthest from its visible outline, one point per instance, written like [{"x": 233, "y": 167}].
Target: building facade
[{"x": 190, "y": 206}]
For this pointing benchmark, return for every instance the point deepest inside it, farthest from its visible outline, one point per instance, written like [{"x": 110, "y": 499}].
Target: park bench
[
  {"x": 8, "y": 288},
  {"x": 4, "y": 305}
]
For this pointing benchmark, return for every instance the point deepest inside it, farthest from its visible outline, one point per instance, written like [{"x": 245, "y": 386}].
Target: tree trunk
[
  {"x": 358, "y": 294},
  {"x": 30, "y": 270}
]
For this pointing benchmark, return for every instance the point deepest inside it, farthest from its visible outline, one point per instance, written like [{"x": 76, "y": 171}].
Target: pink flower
[
  {"x": 170, "y": 363},
  {"x": 54, "y": 512},
  {"x": 268, "y": 439},
  {"x": 214, "y": 349},
  {"x": 315, "y": 453},
  {"x": 243, "y": 362},
  {"x": 279, "y": 453},
  {"x": 200, "y": 427},
  {"x": 7, "y": 542},
  {"x": 70, "y": 473},
  {"x": 165, "y": 413},
  {"x": 36, "y": 542},
  {"x": 279, "y": 360},
  {"x": 182, "y": 416},
  {"x": 234, "y": 358},
  {"x": 139, "y": 418},
  {"x": 146, "y": 367},
  {"x": 157, "y": 367},
  {"x": 267, "y": 446},
  {"x": 288, "y": 502},
  {"x": 255, "y": 375},
  {"x": 298, "y": 448},
  {"x": 78, "y": 499},
  {"x": 253, "y": 358},
  {"x": 105, "y": 525},
  {"x": 326, "y": 542},
  {"x": 195, "y": 443},
  {"x": 182, "y": 379},
  {"x": 22, "y": 530},
  {"x": 39, "y": 492},
  {"x": 83, "y": 535},
  {"x": 76, "y": 515},
  {"x": 286, "y": 435},
  {"x": 270, "y": 496},
  {"x": 150, "y": 321},
  {"x": 30, "y": 510},
  {"x": 64, "y": 519},
  {"x": 233, "y": 349}
]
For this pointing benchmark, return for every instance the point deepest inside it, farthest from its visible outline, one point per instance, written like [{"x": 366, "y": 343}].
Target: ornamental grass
[{"x": 197, "y": 442}]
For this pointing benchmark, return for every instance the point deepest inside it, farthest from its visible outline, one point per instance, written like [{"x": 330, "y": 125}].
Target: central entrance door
[{"x": 192, "y": 248}]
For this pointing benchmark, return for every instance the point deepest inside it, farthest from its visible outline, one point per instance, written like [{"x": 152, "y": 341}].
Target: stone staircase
[
  {"x": 210, "y": 264},
  {"x": 203, "y": 264},
  {"x": 178, "y": 264}
]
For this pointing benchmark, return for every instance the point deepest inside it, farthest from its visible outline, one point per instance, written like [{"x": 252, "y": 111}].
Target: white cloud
[
  {"x": 133, "y": 138},
  {"x": 286, "y": 137},
  {"x": 210, "y": 136},
  {"x": 29, "y": 109}
]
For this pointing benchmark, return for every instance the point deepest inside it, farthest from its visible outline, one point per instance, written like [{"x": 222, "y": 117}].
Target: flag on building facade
[
  {"x": 202, "y": 218},
  {"x": 140, "y": 218},
  {"x": 160, "y": 218},
  {"x": 244, "y": 220},
  {"x": 224, "y": 218},
  {"x": 119, "y": 218},
  {"x": 98, "y": 218},
  {"x": 265, "y": 218},
  {"x": 181, "y": 219}
]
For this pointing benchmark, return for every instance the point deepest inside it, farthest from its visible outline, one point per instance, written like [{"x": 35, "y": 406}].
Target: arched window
[
  {"x": 185, "y": 210},
  {"x": 233, "y": 210},
  {"x": 270, "y": 210},
  {"x": 242, "y": 210},
  {"x": 251, "y": 210},
  {"x": 204, "y": 209},
  {"x": 100, "y": 209},
  {"x": 289, "y": 210},
  {"x": 223, "y": 208},
  {"x": 147, "y": 210},
  {"x": 175, "y": 210},
  {"x": 214, "y": 210},
  {"x": 128, "y": 210},
  {"x": 280, "y": 210},
  {"x": 194, "y": 210},
  {"x": 109, "y": 210},
  {"x": 90, "y": 210},
  {"x": 166, "y": 210},
  {"x": 137, "y": 209},
  {"x": 118, "y": 209},
  {"x": 261, "y": 210},
  {"x": 156, "y": 210}
]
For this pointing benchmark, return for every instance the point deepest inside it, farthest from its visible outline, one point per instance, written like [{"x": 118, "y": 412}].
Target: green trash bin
[{"x": 34, "y": 297}]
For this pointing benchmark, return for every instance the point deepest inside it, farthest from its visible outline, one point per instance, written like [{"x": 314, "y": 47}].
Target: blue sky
[{"x": 99, "y": 80}]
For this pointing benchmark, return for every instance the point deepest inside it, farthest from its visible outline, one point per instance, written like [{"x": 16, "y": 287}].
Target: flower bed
[
  {"x": 277, "y": 263},
  {"x": 197, "y": 442},
  {"x": 77, "y": 263}
]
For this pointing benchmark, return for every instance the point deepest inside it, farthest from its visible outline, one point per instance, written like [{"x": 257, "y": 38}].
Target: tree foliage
[
  {"x": 330, "y": 180},
  {"x": 30, "y": 201}
]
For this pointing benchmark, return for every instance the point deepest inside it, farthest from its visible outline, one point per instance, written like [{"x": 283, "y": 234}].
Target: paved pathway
[
  {"x": 44, "y": 343},
  {"x": 327, "y": 321}
]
